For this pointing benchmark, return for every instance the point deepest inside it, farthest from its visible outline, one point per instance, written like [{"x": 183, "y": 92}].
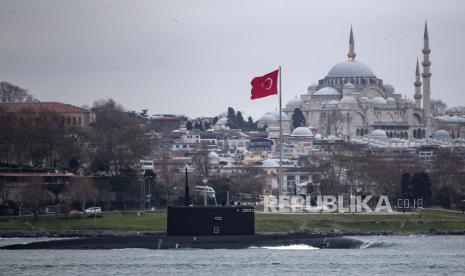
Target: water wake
[{"x": 366, "y": 245}]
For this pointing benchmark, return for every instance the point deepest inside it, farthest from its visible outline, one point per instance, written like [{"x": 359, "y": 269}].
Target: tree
[
  {"x": 405, "y": 186},
  {"x": 298, "y": 118},
  {"x": 39, "y": 139},
  {"x": 232, "y": 123},
  {"x": 73, "y": 164},
  {"x": 10, "y": 93},
  {"x": 35, "y": 195},
  {"x": 4, "y": 193},
  {"x": 250, "y": 124},
  {"x": 117, "y": 138},
  {"x": 144, "y": 114},
  {"x": 215, "y": 119},
  {"x": 421, "y": 187},
  {"x": 198, "y": 126},
  {"x": 240, "y": 123},
  {"x": 438, "y": 107},
  {"x": 125, "y": 190},
  {"x": 82, "y": 190},
  {"x": 189, "y": 125}
]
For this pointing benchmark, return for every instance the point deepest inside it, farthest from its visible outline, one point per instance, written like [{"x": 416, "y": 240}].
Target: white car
[{"x": 93, "y": 210}]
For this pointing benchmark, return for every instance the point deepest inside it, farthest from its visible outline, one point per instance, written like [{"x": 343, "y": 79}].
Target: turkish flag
[{"x": 265, "y": 85}]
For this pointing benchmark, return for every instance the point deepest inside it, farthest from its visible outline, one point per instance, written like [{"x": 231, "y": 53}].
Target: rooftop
[{"x": 42, "y": 107}]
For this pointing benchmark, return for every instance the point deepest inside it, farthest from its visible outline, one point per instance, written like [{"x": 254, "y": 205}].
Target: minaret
[
  {"x": 426, "y": 81},
  {"x": 417, "y": 85},
  {"x": 351, "y": 55}
]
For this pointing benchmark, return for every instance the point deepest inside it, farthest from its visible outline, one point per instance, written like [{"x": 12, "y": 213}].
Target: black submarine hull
[{"x": 195, "y": 242}]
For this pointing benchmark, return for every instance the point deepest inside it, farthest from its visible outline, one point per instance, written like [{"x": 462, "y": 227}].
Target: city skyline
[{"x": 198, "y": 58}]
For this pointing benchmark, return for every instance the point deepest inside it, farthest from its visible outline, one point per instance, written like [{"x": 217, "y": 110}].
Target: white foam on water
[
  {"x": 371, "y": 245},
  {"x": 289, "y": 247}
]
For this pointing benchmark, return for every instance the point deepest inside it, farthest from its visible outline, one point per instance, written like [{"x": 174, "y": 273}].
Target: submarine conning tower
[{"x": 210, "y": 220}]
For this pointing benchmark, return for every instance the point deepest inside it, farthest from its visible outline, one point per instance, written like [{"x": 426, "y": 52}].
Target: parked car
[{"x": 93, "y": 210}]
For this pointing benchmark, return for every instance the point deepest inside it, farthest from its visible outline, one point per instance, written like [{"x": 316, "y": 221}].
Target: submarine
[
  {"x": 206, "y": 227},
  {"x": 202, "y": 227}
]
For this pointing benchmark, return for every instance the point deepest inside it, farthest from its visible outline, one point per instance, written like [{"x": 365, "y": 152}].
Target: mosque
[{"x": 351, "y": 102}]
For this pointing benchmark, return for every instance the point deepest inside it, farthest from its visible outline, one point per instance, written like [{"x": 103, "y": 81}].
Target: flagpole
[{"x": 280, "y": 142}]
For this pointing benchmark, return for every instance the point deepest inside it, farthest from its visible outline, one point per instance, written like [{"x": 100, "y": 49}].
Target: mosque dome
[
  {"x": 267, "y": 117},
  {"x": 327, "y": 91},
  {"x": 378, "y": 100},
  {"x": 302, "y": 132},
  {"x": 273, "y": 116},
  {"x": 363, "y": 99},
  {"x": 332, "y": 138},
  {"x": 295, "y": 102},
  {"x": 391, "y": 100},
  {"x": 350, "y": 68},
  {"x": 348, "y": 100},
  {"x": 441, "y": 134},
  {"x": 312, "y": 86},
  {"x": 222, "y": 121},
  {"x": 378, "y": 133},
  {"x": 349, "y": 85},
  {"x": 388, "y": 87},
  {"x": 410, "y": 101},
  {"x": 332, "y": 102},
  {"x": 318, "y": 136}
]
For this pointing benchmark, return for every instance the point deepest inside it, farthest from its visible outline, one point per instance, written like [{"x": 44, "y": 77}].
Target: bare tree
[
  {"x": 82, "y": 190},
  {"x": 35, "y": 195},
  {"x": 10, "y": 93},
  {"x": 438, "y": 107},
  {"x": 4, "y": 192}
]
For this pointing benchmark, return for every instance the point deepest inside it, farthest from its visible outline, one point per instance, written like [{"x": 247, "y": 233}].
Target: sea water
[{"x": 380, "y": 255}]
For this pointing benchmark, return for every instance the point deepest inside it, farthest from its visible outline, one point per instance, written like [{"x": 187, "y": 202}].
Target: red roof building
[{"x": 73, "y": 116}]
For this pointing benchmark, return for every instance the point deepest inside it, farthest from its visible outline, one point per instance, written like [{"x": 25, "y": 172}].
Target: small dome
[
  {"x": 378, "y": 133},
  {"x": 410, "y": 101},
  {"x": 295, "y": 102},
  {"x": 332, "y": 138},
  {"x": 222, "y": 121},
  {"x": 378, "y": 100},
  {"x": 327, "y": 91},
  {"x": 318, "y": 136},
  {"x": 273, "y": 116},
  {"x": 349, "y": 85},
  {"x": 363, "y": 99},
  {"x": 391, "y": 100},
  {"x": 267, "y": 117},
  {"x": 350, "y": 68},
  {"x": 312, "y": 86},
  {"x": 388, "y": 87},
  {"x": 441, "y": 134},
  {"x": 302, "y": 132},
  {"x": 348, "y": 100}
]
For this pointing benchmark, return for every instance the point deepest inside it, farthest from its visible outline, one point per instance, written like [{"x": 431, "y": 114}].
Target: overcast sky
[{"x": 198, "y": 57}]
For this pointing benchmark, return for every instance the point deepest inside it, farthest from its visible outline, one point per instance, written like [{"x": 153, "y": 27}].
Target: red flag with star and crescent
[{"x": 265, "y": 85}]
